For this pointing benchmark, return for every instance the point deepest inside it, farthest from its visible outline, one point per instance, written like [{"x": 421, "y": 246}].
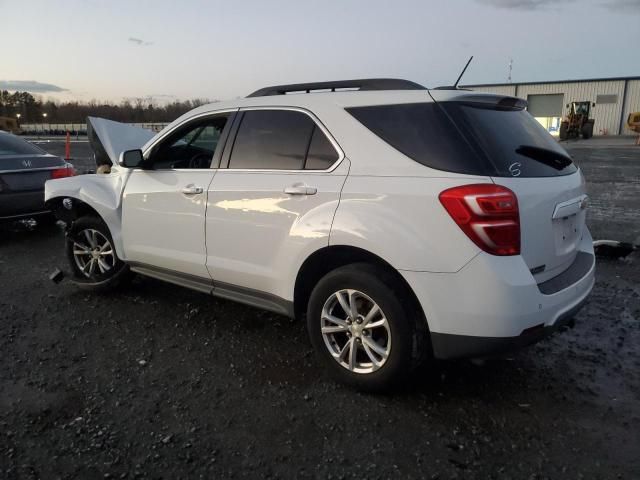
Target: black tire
[
  {"x": 94, "y": 279},
  {"x": 383, "y": 289},
  {"x": 564, "y": 131},
  {"x": 587, "y": 131}
]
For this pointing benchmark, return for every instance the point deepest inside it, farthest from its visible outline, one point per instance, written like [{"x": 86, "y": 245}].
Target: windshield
[
  {"x": 10, "y": 145},
  {"x": 512, "y": 140}
]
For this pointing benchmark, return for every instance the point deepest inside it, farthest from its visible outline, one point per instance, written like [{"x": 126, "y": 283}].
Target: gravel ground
[{"x": 160, "y": 382}]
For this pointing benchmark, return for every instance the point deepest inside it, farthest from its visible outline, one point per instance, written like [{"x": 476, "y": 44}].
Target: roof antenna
[{"x": 455, "y": 85}]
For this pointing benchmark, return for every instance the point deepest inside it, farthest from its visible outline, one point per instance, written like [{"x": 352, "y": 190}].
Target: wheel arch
[
  {"x": 326, "y": 259},
  {"x": 80, "y": 208}
]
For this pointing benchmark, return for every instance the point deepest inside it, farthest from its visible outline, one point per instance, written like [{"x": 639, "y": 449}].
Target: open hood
[{"x": 108, "y": 139}]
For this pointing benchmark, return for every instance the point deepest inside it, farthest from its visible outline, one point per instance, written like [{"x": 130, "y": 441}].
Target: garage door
[{"x": 545, "y": 105}]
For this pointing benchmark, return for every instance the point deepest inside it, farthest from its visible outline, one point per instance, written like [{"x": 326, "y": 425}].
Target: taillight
[
  {"x": 63, "y": 172},
  {"x": 488, "y": 214}
]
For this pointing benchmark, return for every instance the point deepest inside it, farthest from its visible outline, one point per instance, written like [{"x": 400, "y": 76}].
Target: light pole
[
  {"x": 44, "y": 117},
  {"x": 18, "y": 119}
]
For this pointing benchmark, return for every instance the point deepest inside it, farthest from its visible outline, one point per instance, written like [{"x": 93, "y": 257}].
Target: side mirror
[
  {"x": 131, "y": 158},
  {"x": 593, "y": 104}
]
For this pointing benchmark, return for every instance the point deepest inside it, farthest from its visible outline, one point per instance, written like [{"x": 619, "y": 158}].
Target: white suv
[{"x": 404, "y": 223}]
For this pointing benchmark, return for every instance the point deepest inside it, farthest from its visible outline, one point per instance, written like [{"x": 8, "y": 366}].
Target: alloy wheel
[
  {"x": 93, "y": 252},
  {"x": 355, "y": 331}
]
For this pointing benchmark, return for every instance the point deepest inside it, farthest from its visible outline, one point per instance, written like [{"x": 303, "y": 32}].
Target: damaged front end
[
  {"x": 108, "y": 139},
  {"x": 96, "y": 194}
]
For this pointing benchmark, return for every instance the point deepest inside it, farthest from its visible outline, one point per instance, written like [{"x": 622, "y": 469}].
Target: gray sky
[{"x": 84, "y": 49}]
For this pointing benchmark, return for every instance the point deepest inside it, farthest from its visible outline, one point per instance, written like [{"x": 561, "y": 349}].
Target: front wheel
[
  {"x": 564, "y": 131},
  {"x": 360, "y": 324},
  {"x": 92, "y": 256},
  {"x": 587, "y": 130}
]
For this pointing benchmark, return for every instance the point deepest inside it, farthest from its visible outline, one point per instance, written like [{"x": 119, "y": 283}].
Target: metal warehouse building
[{"x": 614, "y": 99}]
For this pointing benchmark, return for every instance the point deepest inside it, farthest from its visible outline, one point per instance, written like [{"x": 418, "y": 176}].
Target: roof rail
[
  {"x": 361, "y": 84},
  {"x": 452, "y": 87}
]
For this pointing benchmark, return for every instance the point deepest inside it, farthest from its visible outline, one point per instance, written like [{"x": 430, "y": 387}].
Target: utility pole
[{"x": 510, "y": 68}]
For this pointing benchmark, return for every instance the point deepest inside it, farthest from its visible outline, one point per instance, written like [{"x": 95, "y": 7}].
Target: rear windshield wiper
[{"x": 554, "y": 159}]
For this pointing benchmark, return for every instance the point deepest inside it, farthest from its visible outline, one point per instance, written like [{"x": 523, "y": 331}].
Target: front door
[{"x": 164, "y": 203}]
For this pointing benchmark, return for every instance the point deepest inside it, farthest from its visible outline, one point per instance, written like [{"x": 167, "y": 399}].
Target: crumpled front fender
[{"x": 103, "y": 193}]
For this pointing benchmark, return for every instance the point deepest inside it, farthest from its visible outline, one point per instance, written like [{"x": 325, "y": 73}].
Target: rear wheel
[
  {"x": 360, "y": 325},
  {"x": 587, "y": 130},
  {"x": 92, "y": 256}
]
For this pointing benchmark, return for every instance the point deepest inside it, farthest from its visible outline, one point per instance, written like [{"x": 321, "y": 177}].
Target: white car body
[{"x": 238, "y": 234}]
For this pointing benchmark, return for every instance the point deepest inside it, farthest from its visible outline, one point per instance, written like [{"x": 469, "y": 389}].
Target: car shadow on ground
[
  {"x": 274, "y": 340},
  {"x": 27, "y": 231}
]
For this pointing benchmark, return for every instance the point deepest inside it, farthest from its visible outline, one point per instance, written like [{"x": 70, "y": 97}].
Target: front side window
[
  {"x": 280, "y": 140},
  {"x": 191, "y": 146}
]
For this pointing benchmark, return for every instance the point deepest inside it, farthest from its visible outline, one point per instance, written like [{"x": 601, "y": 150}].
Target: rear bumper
[
  {"x": 494, "y": 304},
  {"x": 446, "y": 346},
  {"x": 17, "y": 205}
]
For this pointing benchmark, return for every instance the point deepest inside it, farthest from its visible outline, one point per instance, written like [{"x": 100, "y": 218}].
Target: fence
[{"x": 75, "y": 128}]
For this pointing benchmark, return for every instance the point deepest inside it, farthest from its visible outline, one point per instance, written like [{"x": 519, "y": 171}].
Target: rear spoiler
[{"x": 501, "y": 102}]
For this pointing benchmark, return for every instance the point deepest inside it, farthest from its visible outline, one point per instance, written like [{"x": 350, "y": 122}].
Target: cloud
[
  {"x": 525, "y": 4},
  {"x": 630, "y": 6},
  {"x": 30, "y": 86},
  {"x": 139, "y": 41}
]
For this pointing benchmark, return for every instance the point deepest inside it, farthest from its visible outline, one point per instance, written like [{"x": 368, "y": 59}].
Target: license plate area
[{"x": 567, "y": 232}]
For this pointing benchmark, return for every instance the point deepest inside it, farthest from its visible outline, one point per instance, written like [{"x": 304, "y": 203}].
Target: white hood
[{"x": 109, "y": 139}]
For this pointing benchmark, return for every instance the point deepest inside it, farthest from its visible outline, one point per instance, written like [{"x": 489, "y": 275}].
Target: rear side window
[
  {"x": 272, "y": 139},
  {"x": 321, "y": 153},
  {"x": 281, "y": 140},
  {"x": 513, "y": 141},
  {"x": 424, "y": 133},
  {"x": 10, "y": 145}
]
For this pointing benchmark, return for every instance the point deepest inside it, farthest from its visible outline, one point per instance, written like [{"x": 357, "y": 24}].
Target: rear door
[
  {"x": 550, "y": 189},
  {"x": 275, "y": 202}
]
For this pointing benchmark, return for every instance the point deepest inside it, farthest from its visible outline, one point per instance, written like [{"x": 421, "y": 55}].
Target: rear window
[
  {"x": 10, "y": 145},
  {"x": 513, "y": 141},
  {"x": 468, "y": 138}
]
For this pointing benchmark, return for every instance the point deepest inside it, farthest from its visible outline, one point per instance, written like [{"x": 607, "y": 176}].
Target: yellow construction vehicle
[{"x": 577, "y": 122}]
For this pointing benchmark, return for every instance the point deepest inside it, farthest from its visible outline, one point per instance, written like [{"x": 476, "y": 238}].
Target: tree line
[{"x": 137, "y": 110}]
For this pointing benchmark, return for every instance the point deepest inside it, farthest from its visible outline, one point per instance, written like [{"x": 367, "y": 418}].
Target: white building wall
[
  {"x": 607, "y": 115},
  {"x": 632, "y": 103}
]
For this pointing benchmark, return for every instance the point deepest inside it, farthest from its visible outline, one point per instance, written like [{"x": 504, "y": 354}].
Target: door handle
[
  {"x": 300, "y": 190},
  {"x": 192, "y": 190}
]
